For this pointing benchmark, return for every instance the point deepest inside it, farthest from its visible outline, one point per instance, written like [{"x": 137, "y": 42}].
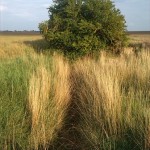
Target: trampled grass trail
[{"x": 46, "y": 102}]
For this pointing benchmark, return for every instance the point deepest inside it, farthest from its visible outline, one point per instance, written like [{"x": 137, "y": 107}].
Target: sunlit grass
[
  {"x": 15, "y": 46},
  {"x": 49, "y": 96},
  {"x": 102, "y": 103},
  {"x": 112, "y": 100},
  {"x": 34, "y": 95}
]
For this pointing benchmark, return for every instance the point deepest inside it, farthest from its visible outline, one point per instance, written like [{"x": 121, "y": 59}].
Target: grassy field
[
  {"x": 140, "y": 39},
  {"x": 46, "y": 102}
]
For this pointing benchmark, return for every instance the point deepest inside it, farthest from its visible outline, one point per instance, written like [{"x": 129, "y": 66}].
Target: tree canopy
[{"x": 79, "y": 27}]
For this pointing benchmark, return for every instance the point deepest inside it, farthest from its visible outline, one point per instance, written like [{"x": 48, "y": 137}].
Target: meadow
[{"x": 48, "y": 102}]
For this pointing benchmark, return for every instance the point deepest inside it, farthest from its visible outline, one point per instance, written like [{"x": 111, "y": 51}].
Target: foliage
[
  {"x": 80, "y": 27},
  {"x": 43, "y": 27}
]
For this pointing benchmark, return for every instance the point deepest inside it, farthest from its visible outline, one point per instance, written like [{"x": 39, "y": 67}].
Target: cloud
[
  {"x": 3, "y": 8},
  {"x": 23, "y": 14}
]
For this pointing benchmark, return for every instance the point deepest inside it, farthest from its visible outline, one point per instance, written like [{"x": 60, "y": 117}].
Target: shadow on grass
[
  {"x": 39, "y": 46},
  {"x": 69, "y": 138},
  {"x": 140, "y": 45}
]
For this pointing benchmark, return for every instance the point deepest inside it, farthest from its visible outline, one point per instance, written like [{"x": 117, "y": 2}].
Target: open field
[
  {"x": 22, "y": 33},
  {"x": 140, "y": 38},
  {"x": 47, "y": 102}
]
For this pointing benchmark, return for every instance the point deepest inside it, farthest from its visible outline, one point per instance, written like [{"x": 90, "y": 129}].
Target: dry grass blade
[{"x": 49, "y": 96}]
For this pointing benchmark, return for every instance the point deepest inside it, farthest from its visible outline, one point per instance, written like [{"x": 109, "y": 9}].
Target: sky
[{"x": 27, "y": 14}]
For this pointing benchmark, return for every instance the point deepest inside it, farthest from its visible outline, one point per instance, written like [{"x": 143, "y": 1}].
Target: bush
[
  {"x": 80, "y": 27},
  {"x": 43, "y": 27}
]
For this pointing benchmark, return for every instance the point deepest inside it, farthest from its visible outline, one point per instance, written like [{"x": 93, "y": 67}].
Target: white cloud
[{"x": 3, "y": 8}]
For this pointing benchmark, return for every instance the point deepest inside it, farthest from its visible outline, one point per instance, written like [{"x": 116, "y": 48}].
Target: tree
[
  {"x": 80, "y": 27},
  {"x": 43, "y": 27}
]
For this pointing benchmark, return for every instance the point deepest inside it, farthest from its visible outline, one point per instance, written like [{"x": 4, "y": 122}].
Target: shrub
[
  {"x": 43, "y": 27},
  {"x": 80, "y": 27}
]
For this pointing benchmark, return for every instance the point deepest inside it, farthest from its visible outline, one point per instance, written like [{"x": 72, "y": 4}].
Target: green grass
[
  {"x": 33, "y": 102},
  {"x": 14, "y": 127},
  {"x": 47, "y": 102}
]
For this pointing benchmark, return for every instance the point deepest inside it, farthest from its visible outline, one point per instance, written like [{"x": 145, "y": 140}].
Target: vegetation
[
  {"x": 43, "y": 27},
  {"x": 112, "y": 99},
  {"x": 80, "y": 27},
  {"x": 34, "y": 99},
  {"x": 48, "y": 103}
]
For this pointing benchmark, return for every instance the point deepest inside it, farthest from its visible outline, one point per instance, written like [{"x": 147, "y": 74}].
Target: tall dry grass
[
  {"x": 49, "y": 96},
  {"x": 112, "y": 97}
]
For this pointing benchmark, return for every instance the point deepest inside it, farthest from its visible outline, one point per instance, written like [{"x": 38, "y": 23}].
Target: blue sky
[{"x": 27, "y": 14}]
